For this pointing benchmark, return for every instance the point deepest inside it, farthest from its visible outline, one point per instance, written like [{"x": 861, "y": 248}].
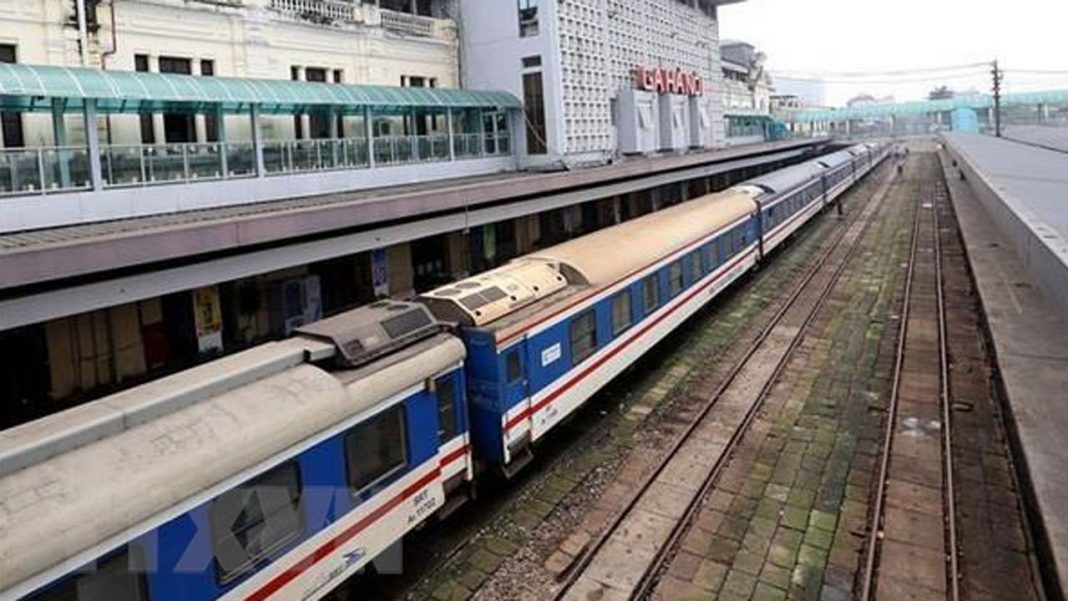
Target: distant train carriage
[{"x": 276, "y": 472}]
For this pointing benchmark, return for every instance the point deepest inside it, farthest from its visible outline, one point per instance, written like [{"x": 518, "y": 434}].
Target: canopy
[
  {"x": 32, "y": 88},
  {"x": 975, "y": 101}
]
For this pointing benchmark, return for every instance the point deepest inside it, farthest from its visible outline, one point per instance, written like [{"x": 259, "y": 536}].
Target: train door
[
  {"x": 515, "y": 397},
  {"x": 515, "y": 374}
]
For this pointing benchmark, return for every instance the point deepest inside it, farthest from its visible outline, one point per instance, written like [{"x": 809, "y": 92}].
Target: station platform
[
  {"x": 54, "y": 253},
  {"x": 1048, "y": 136},
  {"x": 1012, "y": 206},
  {"x": 1024, "y": 189}
]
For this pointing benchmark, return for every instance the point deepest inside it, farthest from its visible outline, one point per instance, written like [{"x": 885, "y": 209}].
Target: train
[{"x": 283, "y": 470}]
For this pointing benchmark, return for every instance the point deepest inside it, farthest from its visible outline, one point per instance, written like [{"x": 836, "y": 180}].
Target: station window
[
  {"x": 513, "y": 370},
  {"x": 675, "y": 285},
  {"x": 528, "y": 18},
  {"x": 583, "y": 331},
  {"x": 650, "y": 293},
  {"x": 446, "y": 390},
  {"x": 621, "y": 312},
  {"x": 117, "y": 578},
  {"x": 256, "y": 519},
  {"x": 376, "y": 449},
  {"x": 695, "y": 266}
]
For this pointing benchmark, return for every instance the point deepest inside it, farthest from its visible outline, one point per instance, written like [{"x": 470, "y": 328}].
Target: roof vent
[{"x": 366, "y": 333}]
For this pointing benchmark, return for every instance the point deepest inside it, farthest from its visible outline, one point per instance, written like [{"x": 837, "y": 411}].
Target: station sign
[{"x": 667, "y": 80}]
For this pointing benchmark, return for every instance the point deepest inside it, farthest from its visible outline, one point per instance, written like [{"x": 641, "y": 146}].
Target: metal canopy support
[
  {"x": 92, "y": 144},
  {"x": 257, "y": 140},
  {"x": 368, "y": 133},
  {"x": 59, "y": 140},
  {"x": 224, "y": 143},
  {"x": 451, "y": 135}
]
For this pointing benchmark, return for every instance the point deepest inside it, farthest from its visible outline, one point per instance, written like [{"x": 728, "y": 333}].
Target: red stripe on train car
[{"x": 322, "y": 551}]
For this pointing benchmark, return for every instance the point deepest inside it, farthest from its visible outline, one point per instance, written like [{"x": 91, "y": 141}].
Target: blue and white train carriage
[
  {"x": 273, "y": 473},
  {"x": 546, "y": 331}
]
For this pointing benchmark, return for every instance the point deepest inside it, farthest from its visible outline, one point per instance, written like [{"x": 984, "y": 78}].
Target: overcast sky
[{"x": 832, "y": 36}]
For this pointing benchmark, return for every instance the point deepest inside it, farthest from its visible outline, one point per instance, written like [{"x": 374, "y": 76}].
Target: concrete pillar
[
  {"x": 257, "y": 140},
  {"x": 331, "y": 132},
  {"x": 481, "y": 134},
  {"x": 59, "y": 139},
  {"x": 92, "y": 144},
  {"x": 200, "y": 125},
  {"x": 220, "y": 129},
  {"x": 451, "y": 134},
  {"x": 159, "y": 133},
  {"x": 369, "y": 135}
]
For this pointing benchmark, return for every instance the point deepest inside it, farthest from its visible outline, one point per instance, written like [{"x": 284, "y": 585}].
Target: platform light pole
[{"x": 997, "y": 98}]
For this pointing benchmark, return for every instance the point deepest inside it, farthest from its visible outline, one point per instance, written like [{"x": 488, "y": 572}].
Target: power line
[
  {"x": 975, "y": 74},
  {"x": 892, "y": 72}
]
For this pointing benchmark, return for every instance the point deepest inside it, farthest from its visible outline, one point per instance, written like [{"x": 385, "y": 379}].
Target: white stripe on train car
[{"x": 573, "y": 388}]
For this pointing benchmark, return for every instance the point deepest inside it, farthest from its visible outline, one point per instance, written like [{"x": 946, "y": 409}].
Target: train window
[
  {"x": 376, "y": 449},
  {"x": 724, "y": 242},
  {"x": 120, "y": 577},
  {"x": 446, "y": 390},
  {"x": 675, "y": 278},
  {"x": 254, "y": 520},
  {"x": 739, "y": 239},
  {"x": 583, "y": 332},
  {"x": 512, "y": 369},
  {"x": 695, "y": 266},
  {"x": 650, "y": 293},
  {"x": 713, "y": 256},
  {"x": 620, "y": 312}
]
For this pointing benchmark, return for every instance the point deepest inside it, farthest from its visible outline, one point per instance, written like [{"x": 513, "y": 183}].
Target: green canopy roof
[
  {"x": 975, "y": 101},
  {"x": 32, "y": 87}
]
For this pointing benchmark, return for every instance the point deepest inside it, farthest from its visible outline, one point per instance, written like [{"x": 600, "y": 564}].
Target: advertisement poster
[
  {"x": 380, "y": 272},
  {"x": 208, "y": 315}
]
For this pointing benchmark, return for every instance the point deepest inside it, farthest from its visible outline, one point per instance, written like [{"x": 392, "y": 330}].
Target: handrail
[{"x": 52, "y": 169}]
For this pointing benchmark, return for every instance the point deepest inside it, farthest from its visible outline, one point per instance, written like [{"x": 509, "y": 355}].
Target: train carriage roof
[
  {"x": 67, "y": 485},
  {"x": 613, "y": 253},
  {"x": 835, "y": 159},
  {"x": 783, "y": 180}
]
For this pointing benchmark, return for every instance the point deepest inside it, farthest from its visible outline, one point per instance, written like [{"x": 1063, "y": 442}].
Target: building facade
[
  {"x": 579, "y": 67},
  {"x": 747, "y": 89},
  {"x": 395, "y": 43}
]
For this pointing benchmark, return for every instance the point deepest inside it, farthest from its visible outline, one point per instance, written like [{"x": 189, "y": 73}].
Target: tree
[{"x": 940, "y": 93}]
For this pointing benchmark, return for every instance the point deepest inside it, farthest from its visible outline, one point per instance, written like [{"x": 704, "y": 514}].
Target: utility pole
[{"x": 997, "y": 98}]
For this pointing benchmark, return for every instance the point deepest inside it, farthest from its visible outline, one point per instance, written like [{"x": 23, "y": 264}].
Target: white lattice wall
[{"x": 601, "y": 41}]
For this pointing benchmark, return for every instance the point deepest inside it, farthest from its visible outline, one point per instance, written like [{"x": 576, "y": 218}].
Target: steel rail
[
  {"x": 874, "y": 530},
  {"x": 953, "y": 567}
]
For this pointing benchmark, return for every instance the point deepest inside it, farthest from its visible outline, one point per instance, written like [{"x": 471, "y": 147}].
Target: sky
[{"x": 824, "y": 37}]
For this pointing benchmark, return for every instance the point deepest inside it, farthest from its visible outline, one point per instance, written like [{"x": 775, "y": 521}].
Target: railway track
[
  {"x": 626, "y": 558},
  {"x": 918, "y": 427}
]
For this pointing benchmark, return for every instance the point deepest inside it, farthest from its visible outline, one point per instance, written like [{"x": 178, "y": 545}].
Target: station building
[
  {"x": 746, "y": 94},
  {"x": 599, "y": 78},
  {"x": 389, "y": 42}
]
